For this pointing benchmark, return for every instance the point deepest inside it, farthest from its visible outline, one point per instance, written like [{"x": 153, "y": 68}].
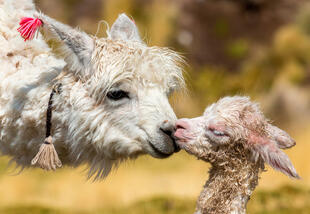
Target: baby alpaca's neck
[{"x": 229, "y": 187}]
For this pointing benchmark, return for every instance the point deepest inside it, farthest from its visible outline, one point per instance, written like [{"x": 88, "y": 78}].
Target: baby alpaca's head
[{"x": 231, "y": 122}]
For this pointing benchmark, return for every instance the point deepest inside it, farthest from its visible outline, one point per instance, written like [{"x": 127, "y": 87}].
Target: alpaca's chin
[
  {"x": 191, "y": 146},
  {"x": 183, "y": 144},
  {"x": 161, "y": 150}
]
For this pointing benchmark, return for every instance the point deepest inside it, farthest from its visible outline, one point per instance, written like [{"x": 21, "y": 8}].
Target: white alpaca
[
  {"x": 235, "y": 137},
  {"x": 113, "y": 103}
]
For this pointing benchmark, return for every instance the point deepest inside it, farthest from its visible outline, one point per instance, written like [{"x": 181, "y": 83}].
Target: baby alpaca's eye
[{"x": 218, "y": 133}]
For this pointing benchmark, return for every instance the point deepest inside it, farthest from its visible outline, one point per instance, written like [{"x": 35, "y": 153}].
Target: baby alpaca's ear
[
  {"x": 271, "y": 154},
  {"x": 76, "y": 46},
  {"x": 282, "y": 139},
  {"x": 124, "y": 29}
]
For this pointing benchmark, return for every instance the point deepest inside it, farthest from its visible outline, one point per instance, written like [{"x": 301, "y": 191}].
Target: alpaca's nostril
[
  {"x": 166, "y": 131},
  {"x": 168, "y": 128},
  {"x": 181, "y": 124},
  {"x": 178, "y": 126}
]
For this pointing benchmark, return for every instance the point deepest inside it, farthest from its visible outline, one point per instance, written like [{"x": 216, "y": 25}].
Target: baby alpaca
[{"x": 236, "y": 139}]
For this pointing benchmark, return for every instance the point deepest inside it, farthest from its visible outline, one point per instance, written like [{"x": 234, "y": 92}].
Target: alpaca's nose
[
  {"x": 167, "y": 127},
  {"x": 181, "y": 124}
]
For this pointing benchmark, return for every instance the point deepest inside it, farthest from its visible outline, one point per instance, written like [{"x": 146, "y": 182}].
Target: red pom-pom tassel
[{"x": 29, "y": 27}]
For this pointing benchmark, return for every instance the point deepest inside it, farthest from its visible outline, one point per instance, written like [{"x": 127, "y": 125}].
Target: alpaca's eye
[
  {"x": 217, "y": 132},
  {"x": 117, "y": 95}
]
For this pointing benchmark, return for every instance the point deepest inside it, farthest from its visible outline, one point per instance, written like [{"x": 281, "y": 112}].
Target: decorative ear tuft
[
  {"x": 29, "y": 27},
  {"x": 124, "y": 29},
  {"x": 272, "y": 155}
]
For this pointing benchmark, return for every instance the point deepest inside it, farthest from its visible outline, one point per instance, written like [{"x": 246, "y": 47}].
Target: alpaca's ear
[
  {"x": 124, "y": 29},
  {"x": 283, "y": 140},
  {"x": 76, "y": 46},
  {"x": 268, "y": 150}
]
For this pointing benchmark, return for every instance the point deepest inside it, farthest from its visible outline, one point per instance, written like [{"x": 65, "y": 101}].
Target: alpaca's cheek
[
  {"x": 188, "y": 142},
  {"x": 199, "y": 146},
  {"x": 192, "y": 148}
]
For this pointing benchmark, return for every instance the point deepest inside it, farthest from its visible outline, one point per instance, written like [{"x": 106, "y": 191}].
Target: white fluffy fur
[{"x": 87, "y": 126}]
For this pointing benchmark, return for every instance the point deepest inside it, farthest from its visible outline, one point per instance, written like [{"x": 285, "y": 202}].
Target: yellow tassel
[{"x": 47, "y": 157}]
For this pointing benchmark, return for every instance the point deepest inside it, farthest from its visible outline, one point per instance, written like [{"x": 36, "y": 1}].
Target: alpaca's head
[
  {"x": 121, "y": 90},
  {"x": 230, "y": 122}
]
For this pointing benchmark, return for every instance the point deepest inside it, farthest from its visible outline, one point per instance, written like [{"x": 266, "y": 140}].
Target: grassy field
[
  {"x": 284, "y": 200},
  {"x": 147, "y": 185}
]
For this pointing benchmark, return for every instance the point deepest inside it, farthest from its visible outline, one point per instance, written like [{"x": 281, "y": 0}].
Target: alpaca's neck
[{"x": 229, "y": 187}]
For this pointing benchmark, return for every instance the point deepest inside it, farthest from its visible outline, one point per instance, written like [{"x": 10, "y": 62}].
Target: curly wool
[{"x": 232, "y": 179}]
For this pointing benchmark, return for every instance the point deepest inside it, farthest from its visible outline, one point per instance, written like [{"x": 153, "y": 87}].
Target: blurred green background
[{"x": 259, "y": 48}]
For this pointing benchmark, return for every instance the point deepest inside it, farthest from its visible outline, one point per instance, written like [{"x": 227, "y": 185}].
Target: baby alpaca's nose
[{"x": 181, "y": 124}]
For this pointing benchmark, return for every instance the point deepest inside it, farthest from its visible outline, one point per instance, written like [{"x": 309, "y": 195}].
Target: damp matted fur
[{"x": 237, "y": 140}]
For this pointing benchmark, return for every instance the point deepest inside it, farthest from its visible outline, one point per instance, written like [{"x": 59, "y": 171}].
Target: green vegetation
[
  {"x": 288, "y": 59},
  {"x": 238, "y": 49},
  {"x": 285, "y": 200}
]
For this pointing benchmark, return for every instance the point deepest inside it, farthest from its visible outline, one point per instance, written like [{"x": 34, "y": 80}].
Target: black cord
[{"x": 56, "y": 89}]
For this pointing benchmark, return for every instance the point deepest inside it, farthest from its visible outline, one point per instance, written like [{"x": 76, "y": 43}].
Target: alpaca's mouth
[
  {"x": 159, "y": 153},
  {"x": 180, "y": 135}
]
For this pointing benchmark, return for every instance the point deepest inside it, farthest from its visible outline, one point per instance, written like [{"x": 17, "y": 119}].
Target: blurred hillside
[{"x": 259, "y": 48}]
